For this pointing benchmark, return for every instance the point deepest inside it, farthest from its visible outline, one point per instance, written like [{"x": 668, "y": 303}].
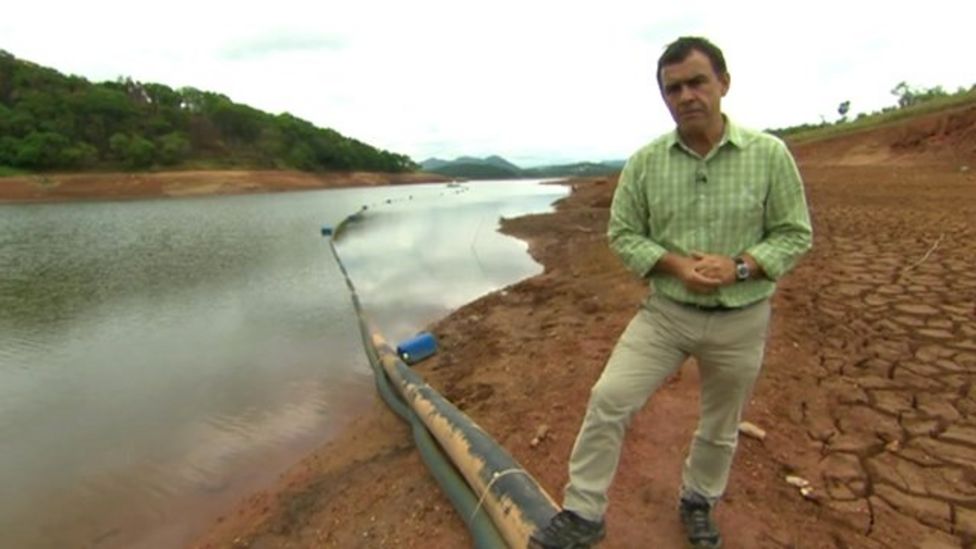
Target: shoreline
[{"x": 69, "y": 187}]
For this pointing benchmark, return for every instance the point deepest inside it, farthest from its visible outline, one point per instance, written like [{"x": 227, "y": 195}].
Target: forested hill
[{"x": 50, "y": 121}]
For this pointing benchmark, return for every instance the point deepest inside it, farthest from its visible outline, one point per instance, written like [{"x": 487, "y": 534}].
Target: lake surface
[{"x": 161, "y": 359}]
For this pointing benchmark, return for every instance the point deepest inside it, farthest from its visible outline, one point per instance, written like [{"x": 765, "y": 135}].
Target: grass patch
[
  {"x": 877, "y": 120},
  {"x": 7, "y": 171}
]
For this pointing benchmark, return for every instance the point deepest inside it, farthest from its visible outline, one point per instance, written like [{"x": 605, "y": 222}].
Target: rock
[
  {"x": 540, "y": 434},
  {"x": 752, "y": 430},
  {"x": 799, "y": 482}
]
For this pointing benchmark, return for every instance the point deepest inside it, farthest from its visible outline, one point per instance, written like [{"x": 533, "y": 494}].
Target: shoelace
[
  {"x": 700, "y": 521},
  {"x": 564, "y": 528}
]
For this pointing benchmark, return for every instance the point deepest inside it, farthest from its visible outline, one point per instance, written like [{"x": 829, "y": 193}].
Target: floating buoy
[{"x": 417, "y": 348}]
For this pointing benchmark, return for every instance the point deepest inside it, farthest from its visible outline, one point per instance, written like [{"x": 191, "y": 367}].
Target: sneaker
[
  {"x": 567, "y": 530},
  {"x": 696, "y": 516}
]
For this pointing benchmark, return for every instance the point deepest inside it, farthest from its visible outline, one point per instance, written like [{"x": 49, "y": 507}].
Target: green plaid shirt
[{"x": 746, "y": 196}]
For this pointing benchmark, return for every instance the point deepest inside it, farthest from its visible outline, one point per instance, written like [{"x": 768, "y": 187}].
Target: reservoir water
[{"x": 160, "y": 359}]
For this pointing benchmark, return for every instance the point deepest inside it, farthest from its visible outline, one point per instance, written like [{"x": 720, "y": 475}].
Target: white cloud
[{"x": 532, "y": 81}]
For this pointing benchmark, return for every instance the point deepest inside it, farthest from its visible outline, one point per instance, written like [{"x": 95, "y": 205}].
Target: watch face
[{"x": 741, "y": 270}]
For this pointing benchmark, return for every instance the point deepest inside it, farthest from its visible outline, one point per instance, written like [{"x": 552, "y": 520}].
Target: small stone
[
  {"x": 799, "y": 482},
  {"x": 540, "y": 434},
  {"x": 752, "y": 430}
]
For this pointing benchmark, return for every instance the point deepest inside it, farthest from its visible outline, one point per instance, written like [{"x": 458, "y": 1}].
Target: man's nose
[{"x": 685, "y": 94}]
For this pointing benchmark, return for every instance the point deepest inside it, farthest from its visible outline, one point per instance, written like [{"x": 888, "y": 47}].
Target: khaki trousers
[{"x": 729, "y": 347}]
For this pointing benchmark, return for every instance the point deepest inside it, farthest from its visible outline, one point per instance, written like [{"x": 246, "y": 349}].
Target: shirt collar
[{"x": 733, "y": 134}]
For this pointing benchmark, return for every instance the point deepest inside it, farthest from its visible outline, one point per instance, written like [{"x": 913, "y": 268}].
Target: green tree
[
  {"x": 119, "y": 146},
  {"x": 78, "y": 155},
  {"x": 173, "y": 148},
  {"x": 140, "y": 152},
  {"x": 40, "y": 150}
]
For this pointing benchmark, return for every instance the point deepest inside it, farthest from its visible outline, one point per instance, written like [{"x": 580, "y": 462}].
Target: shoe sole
[
  {"x": 717, "y": 545},
  {"x": 533, "y": 544}
]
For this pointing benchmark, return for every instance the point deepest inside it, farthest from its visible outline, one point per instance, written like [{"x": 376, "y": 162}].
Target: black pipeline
[{"x": 495, "y": 482}]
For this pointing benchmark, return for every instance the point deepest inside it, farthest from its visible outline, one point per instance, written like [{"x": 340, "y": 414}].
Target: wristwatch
[{"x": 741, "y": 269}]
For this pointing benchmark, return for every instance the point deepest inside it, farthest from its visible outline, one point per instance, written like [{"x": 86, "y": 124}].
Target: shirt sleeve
[
  {"x": 628, "y": 229},
  {"x": 787, "y": 233}
]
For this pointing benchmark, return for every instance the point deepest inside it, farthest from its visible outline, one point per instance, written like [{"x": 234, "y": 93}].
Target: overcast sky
[{"x": 534, "y": 81}]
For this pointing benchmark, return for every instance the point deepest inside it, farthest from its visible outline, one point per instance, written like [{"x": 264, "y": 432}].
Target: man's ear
[{"x": 725, "y": 80}]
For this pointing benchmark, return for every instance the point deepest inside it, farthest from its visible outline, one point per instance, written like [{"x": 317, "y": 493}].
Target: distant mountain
[
  {"x": 496, "y": 167},
  {"x": 579, "y": 169},
  {"x": 433, "y": 164},
  {"x": 494, "y": 160},
  {"x": 477, "y": 171}
]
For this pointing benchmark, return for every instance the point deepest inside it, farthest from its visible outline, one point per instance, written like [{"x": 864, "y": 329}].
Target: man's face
[{"x": 693, "y": 92}]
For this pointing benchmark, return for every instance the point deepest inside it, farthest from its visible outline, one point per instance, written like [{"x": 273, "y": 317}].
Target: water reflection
[{"x": 411, "y": 265}]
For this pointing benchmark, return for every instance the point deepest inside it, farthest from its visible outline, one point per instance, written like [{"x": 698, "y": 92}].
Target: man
[{"x": 712, "y": 213}]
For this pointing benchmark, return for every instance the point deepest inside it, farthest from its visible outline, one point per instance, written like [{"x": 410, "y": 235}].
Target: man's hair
[{"x": 680, "y": 49}]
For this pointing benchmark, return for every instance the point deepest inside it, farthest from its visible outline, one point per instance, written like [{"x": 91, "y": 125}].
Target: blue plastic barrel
[
  {"x": 417, "y": 348},
  {"x": 326, "y": 230}
]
